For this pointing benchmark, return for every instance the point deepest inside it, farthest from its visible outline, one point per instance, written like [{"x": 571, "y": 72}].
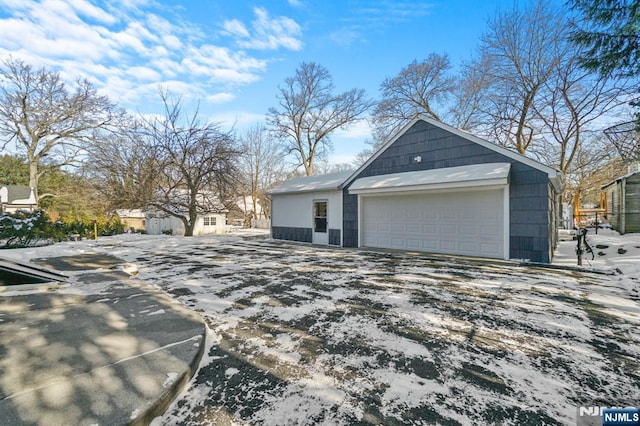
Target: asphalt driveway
[{"x": 308, "y": 335}]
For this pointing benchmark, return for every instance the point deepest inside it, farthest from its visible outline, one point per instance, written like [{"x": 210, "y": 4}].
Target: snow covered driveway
[{"x": 309, "y": 335}]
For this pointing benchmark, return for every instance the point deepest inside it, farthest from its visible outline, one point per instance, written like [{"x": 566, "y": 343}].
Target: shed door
[
  {"x": 468, "y": 223},
  {"x": 320, "y": 223}
]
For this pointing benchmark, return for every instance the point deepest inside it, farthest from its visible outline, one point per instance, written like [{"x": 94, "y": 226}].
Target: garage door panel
[
  {"x": 398, "y": 228},
  {"x": 429, "y": 228},
  {"x": 490, "y": 248},
  {"x": 449, "y": 246},
  {"x": 414, "y": 244},
  {"x": 488, "y": 230},
  {"x": 413, "y": 228},
  {"x": 468, "y": 229},
  {"x": 468, "y": 247},
  {"x": 467, "y": 222},
  {"x": 448, "y": 228}
]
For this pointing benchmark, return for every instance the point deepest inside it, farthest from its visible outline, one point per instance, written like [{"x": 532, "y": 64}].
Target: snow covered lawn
[{"x": 307, "y": 335}]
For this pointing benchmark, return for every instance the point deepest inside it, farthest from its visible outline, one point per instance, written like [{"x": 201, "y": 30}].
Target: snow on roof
[
  {"x": 132, "y": 213},
  {"x": 312, "y": 183},
  {"x": 462, "y": 176}
]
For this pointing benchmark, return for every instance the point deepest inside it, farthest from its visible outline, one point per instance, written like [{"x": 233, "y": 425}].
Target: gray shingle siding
[
  {"x": 349, "y": 220},
  {"x": 530, "y": 230},
  {"x": 624, "y": 210},
  {"x": 292, "y": 234},
  {"x": 334, "y": 237}
]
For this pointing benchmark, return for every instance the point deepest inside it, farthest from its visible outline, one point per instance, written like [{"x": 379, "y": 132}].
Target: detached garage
[{"x": 431, "y": 188}]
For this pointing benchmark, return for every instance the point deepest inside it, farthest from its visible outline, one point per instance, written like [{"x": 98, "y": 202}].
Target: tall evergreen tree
[{"x": 609, "y": 30}]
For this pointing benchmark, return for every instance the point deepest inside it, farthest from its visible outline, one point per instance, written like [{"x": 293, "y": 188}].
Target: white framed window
[{"x": 209, "y": 221}]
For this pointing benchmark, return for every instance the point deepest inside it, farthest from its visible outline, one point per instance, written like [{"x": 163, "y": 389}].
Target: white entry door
[
  {"x": 320, "y": 222},
  {"x": 467, "y": 222}
]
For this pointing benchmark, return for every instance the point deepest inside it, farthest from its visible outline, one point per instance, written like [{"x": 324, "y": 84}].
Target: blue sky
[{"x": 230, "y": 56}]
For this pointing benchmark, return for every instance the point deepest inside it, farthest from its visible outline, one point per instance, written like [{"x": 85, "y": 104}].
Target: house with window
[
  {"x": 211, "y": 217},
  {"x": 133, "y": 220},
  {"x": 17, "y": 197},
  {"x": 431, "y": 188},
  {"x": 159, "y": 222}
]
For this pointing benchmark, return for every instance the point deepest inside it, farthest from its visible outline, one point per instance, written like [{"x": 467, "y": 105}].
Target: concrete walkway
[{"x": 116, "y": 354}]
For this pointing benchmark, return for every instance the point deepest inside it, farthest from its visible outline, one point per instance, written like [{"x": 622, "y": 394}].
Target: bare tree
[
  {"x": 324, "y": 167},
  {"x": 196, "y": 164},
  {"x": 469, "y": 95},
  {"x": 417, "y": 89},
  {"x": 45, "y": 119},
  {"x": 309, "y": 111},
  {"x": 519, "y": 53},
  {"x": 570, "y": 107},
  {"x": 124, "y": 166},
  {"x": 261, "y": 165}
]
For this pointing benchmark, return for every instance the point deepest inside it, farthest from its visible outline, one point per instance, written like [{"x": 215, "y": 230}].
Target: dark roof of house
[{"x": 17, "y": 192}]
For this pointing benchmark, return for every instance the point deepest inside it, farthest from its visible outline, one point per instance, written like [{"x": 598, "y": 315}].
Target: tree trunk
[
  {"x": 189, "y": 225},
  {"x": 33, "y": 176}
]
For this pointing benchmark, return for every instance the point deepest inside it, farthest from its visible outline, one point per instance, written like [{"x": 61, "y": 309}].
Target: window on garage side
[
  {"x": 319, "y": 216},
  {"x": 209, "y": 221}
]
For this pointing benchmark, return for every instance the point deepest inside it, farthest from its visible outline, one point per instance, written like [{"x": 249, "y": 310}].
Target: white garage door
[{"x": 467, "y": 222}]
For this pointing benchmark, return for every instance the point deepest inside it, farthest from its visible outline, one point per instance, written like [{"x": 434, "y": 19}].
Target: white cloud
[
  {"x": 144, "y": 73},
  {"x": 127, "y": 48},
  {"x": 220, "y": 98},
  {"x": 236, "y": 28},
  {"x": 269, "y": 33},
  {"x": 87, "y": 9},
  {"x": 360, "y": 131},
  {"x": 240, "y": 120}
]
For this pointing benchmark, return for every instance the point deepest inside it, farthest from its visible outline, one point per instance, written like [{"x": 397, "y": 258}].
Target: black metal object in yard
[{"x": 583, "y": 245}]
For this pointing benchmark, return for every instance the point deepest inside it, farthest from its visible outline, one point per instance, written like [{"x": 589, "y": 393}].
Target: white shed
[{"x": 158, "y": 222}]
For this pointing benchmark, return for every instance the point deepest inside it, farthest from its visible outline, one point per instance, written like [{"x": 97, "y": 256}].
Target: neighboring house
[
  {"x": 159, "y": 222},
  {"x": 16, "y": 197},
  {"x": 431, "y": 188},
  {"x": 623, "y": 203},
  {"x": 132, "y": 219},
  {"x": 212, "y": 218}
]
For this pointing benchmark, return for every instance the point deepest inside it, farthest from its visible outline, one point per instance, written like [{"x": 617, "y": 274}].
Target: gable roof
[
  {"x": 17, "y": 194},
  {"x": 325, "y": 182},
  {"x": 554, "y": 175},
  {"x": 332, "y": 181}
]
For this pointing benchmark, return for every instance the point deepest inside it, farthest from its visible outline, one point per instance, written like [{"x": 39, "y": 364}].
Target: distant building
[
  {"x": 623, "y": 203},
  {"x": 16, "y": 197},
  {"x": 132, "y": 219},
  {"x": 159, "y": 222}
]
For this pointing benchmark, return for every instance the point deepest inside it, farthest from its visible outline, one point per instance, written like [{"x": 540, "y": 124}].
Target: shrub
[{"x": 23, "y": 229}]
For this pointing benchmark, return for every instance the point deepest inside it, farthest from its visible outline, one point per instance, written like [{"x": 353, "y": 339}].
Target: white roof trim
[
  {"x": 472, "y": 176},
  {"x": 330, "y": 181},
  {"x": 550, "y": 171}
]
